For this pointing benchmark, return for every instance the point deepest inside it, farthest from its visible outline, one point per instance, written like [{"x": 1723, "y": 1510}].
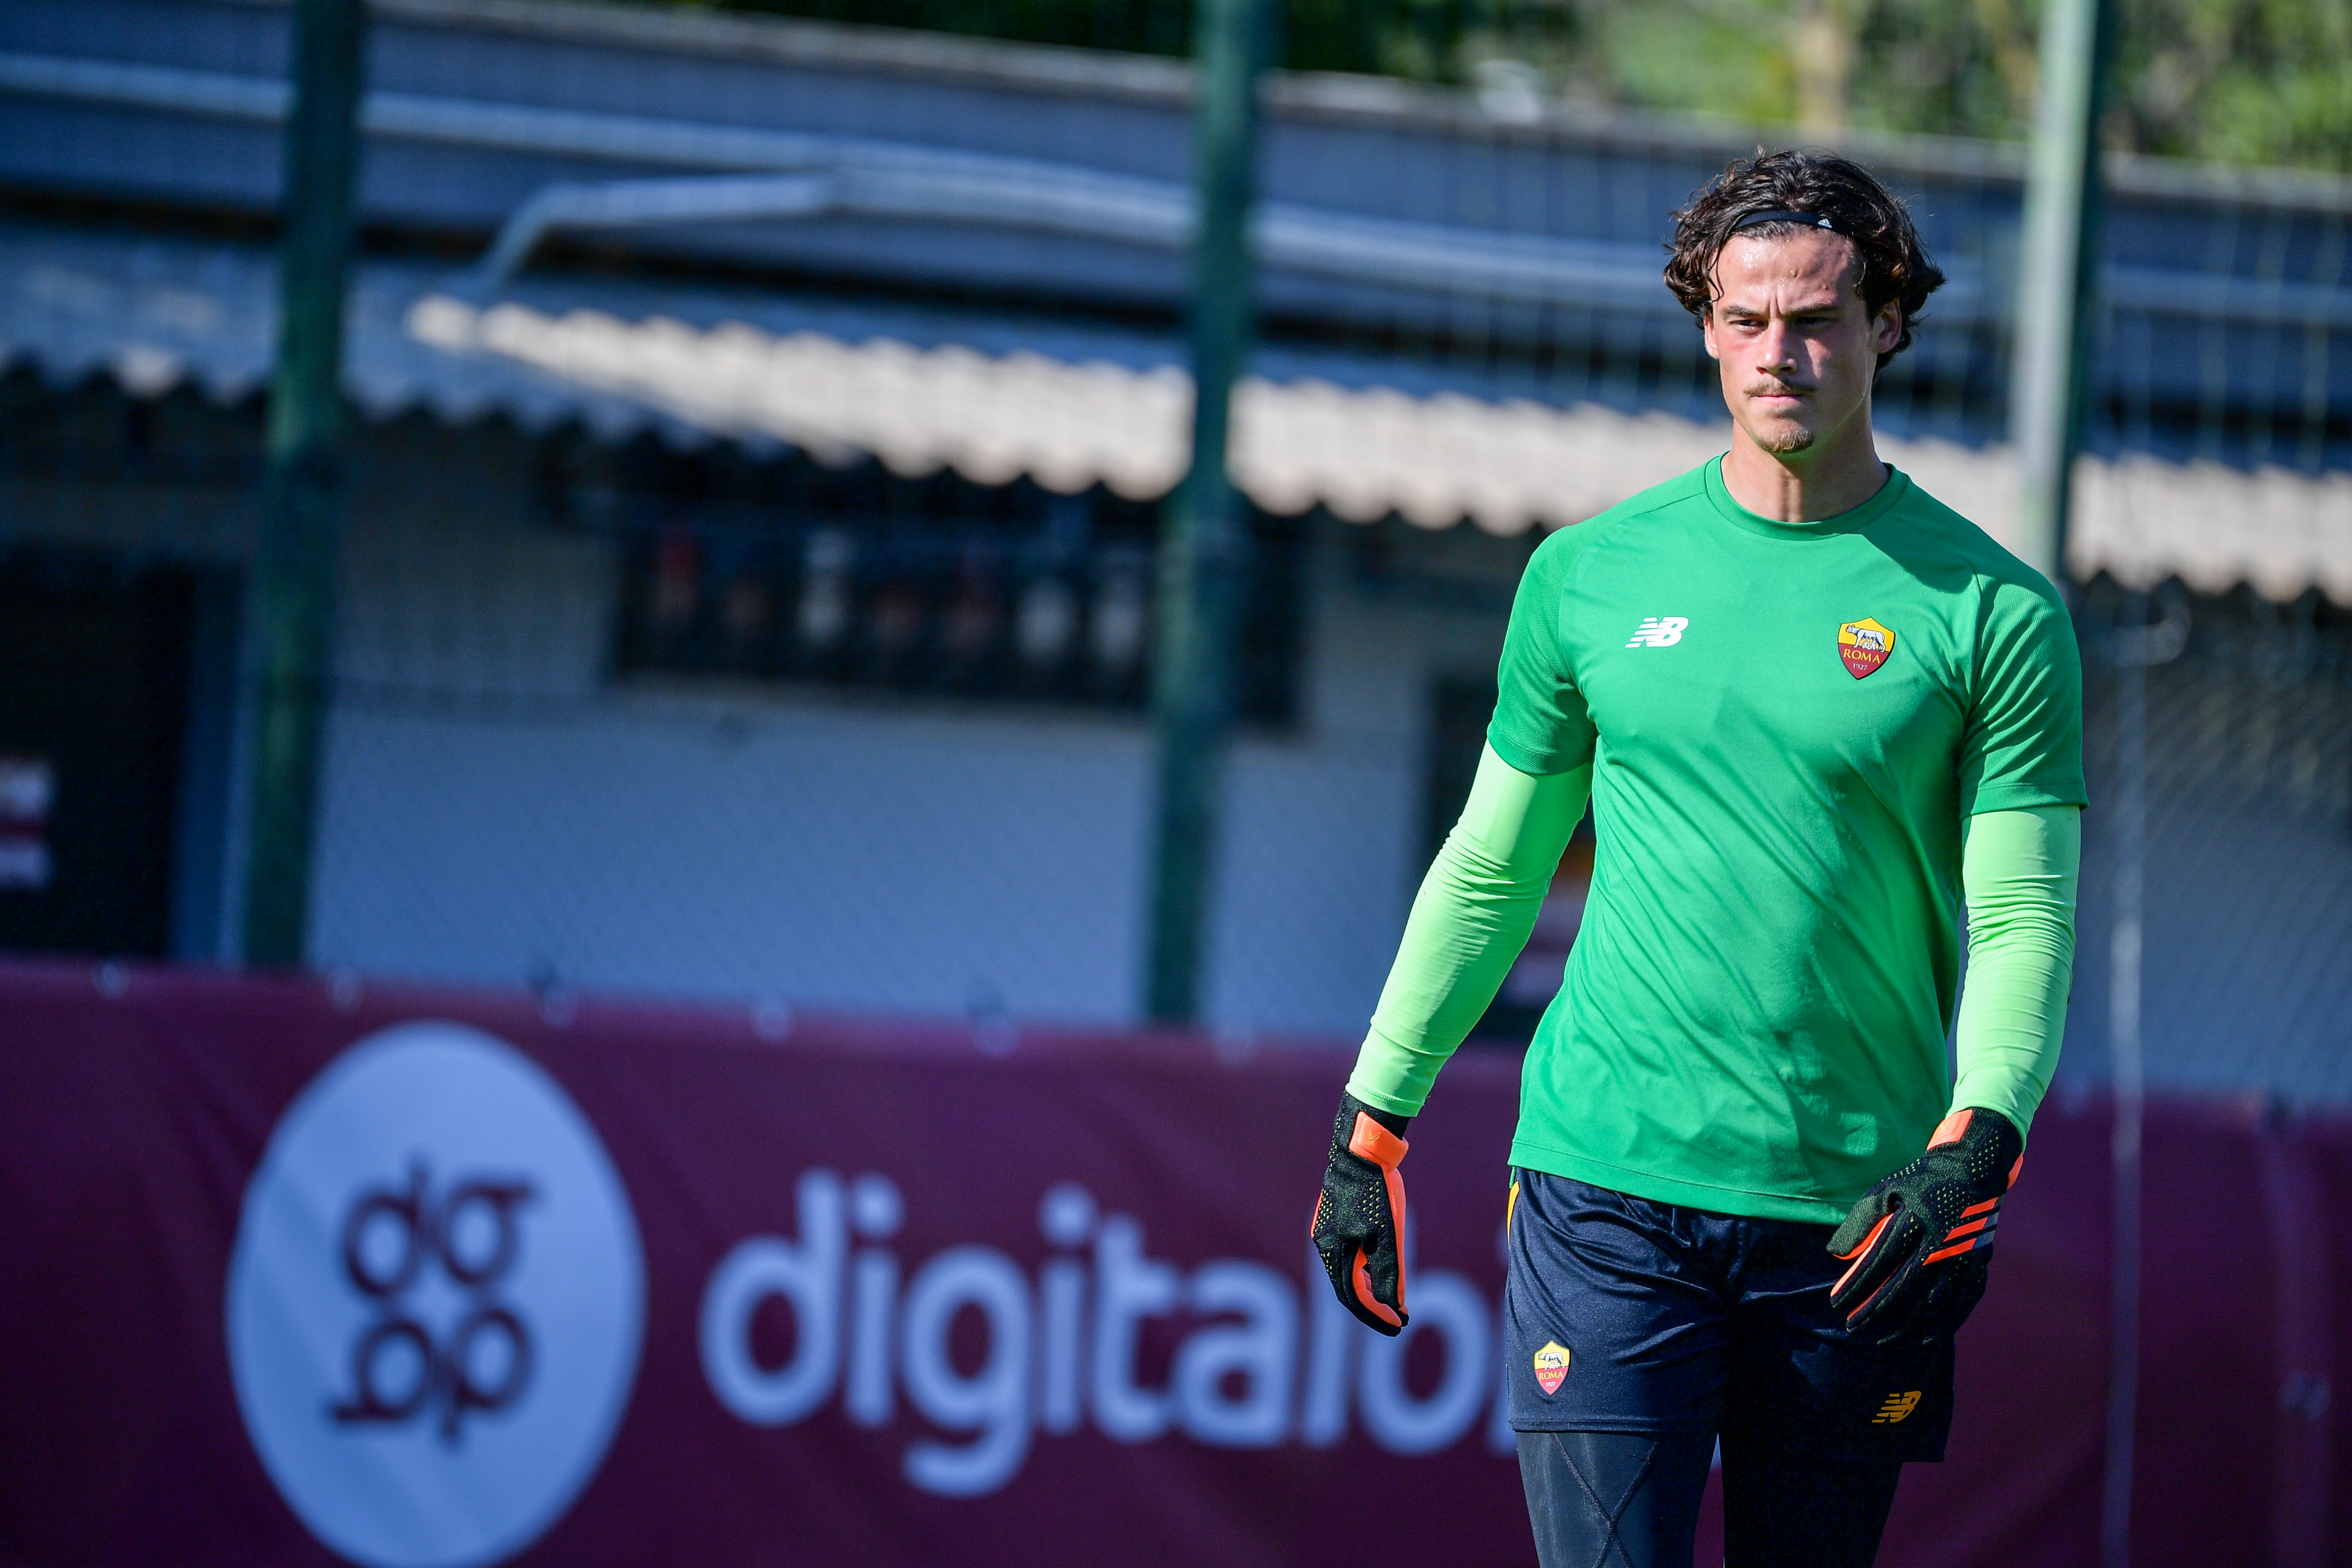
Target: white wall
[
  {"x": 495, "y": 809},
  {"x": 1324, "y": 834},
  {"x": 671, "y": 845}
]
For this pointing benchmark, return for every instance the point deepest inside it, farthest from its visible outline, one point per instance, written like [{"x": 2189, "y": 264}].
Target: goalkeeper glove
[
  {"x": 1920, "y": 1242},
  {"x": 1360, "y": 1219}
]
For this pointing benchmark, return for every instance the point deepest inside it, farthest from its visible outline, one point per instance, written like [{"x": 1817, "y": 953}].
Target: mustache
[{"x": 1775, "y": 387}]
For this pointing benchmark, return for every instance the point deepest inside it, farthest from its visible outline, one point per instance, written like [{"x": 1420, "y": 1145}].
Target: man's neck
[{"x": 1826, "y": 479}]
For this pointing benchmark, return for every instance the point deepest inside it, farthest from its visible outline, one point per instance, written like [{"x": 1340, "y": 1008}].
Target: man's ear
[
  {"x": 1706, "y": 333},
  {"x": 1887, "y": 330}
]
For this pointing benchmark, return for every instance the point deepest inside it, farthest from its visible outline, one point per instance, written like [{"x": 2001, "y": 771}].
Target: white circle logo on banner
[{"x": 435, "y": 1301}]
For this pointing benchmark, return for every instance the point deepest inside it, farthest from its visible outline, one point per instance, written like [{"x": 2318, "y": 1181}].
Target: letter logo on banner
[
  {"x": 807, "y": 1273},
  {"x": 1250, "y": 1370},
  {"x": 435, "y": 1301}
]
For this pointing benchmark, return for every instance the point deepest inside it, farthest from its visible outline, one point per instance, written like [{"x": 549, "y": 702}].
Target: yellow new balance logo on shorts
[{"x": 1898, "y": 1407}]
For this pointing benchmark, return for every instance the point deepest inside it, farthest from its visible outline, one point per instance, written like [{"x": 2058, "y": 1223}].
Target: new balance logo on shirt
[{"x": 1659, "y": 631}]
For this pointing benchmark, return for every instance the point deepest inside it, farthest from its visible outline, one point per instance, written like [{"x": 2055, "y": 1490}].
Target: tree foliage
[{"x": 2244, "y": 81}]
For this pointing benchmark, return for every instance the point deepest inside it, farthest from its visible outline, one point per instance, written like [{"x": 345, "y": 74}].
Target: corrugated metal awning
[{"x": 995, "y": 398}]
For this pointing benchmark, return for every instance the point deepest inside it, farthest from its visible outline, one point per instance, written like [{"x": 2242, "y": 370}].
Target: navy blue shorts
[{"x": 1626, "y": 1315}]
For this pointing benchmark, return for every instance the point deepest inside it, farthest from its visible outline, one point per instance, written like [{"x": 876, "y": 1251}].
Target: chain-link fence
[
  {"x": 758, "y": 608},
  {"x": 2218, "y": 856}
]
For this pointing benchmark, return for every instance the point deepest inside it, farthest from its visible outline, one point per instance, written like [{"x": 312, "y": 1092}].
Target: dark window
[
  {"x": 93, "y": 681},
  {"x": 859, "y": 580}
]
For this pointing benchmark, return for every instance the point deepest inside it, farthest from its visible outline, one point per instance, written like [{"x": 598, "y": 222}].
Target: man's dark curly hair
[{"x": 1824, "y": 184}]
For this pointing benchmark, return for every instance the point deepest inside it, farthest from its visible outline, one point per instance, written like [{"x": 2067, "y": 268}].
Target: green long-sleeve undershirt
[{"x": 1481, "y": 896}]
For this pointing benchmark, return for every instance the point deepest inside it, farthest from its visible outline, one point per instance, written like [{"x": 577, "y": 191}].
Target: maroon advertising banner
[{"x": 302, "y": 1272}]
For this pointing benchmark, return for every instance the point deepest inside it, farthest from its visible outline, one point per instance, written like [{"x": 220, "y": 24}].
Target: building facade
[{"x": 745, "y": 581}]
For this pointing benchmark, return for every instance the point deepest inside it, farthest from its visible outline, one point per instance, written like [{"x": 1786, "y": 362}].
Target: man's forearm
[
  {"x": 1471, "y": 916},
  {"x": 2019, "y": 871}
]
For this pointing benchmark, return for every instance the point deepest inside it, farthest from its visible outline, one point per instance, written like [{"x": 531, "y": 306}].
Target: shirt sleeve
[
  {"x": 2019, "y": 871},
  {"x": 1540, "y": 725},
  {"x": 2022, "y": 746},
  {"x": 1472, "y": 917}
]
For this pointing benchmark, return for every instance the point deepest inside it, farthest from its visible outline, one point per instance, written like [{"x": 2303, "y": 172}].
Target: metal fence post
[
  {"x": 2057, "y": 283},
  {"x": 2057, "y": 275},
  {"x": 1204, "y": 535},
  {"x": 2129, "y": 640},
  {"x": 294, "y": 568}
]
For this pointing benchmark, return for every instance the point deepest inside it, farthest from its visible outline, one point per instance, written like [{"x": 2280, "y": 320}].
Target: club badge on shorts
[
  {"x": 1863, "y": 644},
  {"x": 1552, "y": 1366}
]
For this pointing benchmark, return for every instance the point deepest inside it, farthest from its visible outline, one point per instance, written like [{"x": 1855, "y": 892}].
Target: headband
[{"x": 1781, "y": 216}]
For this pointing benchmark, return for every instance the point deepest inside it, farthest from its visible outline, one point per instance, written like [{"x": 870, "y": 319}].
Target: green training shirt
[{"x": 1786, "y": 724}]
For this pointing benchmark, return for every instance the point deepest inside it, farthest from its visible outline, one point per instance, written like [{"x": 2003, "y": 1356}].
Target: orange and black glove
[
  {"x": 1920, "y": 1242},
  {"x": 1360, "y": 1219}
]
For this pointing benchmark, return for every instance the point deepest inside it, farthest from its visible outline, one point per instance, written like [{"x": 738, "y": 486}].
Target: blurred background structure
[
  {"x": 707, "y": 504},
  {"x": 747, "y": 579}
]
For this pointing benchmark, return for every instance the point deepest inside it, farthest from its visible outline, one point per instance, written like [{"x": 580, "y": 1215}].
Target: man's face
[{"x": 1796, "y": 345}]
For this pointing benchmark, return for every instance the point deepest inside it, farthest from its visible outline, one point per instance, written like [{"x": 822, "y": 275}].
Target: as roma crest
[
  {"x": 1863, "y": 644},
  {"x": 1551, "y": 1366}
]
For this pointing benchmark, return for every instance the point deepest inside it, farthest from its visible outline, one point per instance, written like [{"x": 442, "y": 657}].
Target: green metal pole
[
  {"x": 2057, "y": 275},
  {"x": 2057, "y": 283},
  {"x": 1204, "y": 535},
  {"x": 294, "y": 568}
]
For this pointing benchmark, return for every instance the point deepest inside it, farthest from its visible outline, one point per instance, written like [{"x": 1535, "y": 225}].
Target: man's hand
[
  {"x": 1360, "y": 1219},
  {"x": 1921, "y": 1241}
]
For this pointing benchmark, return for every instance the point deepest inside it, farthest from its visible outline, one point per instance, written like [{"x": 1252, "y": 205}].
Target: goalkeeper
[{"x": 1815, "y": 711}]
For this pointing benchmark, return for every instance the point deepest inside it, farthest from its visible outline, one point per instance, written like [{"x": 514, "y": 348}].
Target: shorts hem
[
  {"x": 1834, "y": 1450},
  {"x": 1823, "y": 1446},
  {"x": 1619, "y": 1428}
]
